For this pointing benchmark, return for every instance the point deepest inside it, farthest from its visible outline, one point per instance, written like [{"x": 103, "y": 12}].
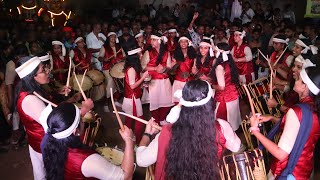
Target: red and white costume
[
  {"x": 81, "y": 60},
  {"x": 227, "y": 106},
  {"x": 289, "y": 129},
  {"x": 245, "y": 69},
  {"x": 171, "y": 46},
  {"x": 160, "y": 89},
  {"x": 205, "y": 69},
  {"x": 180, "y": 80},
  {"x": 60, "y": 63},
  {"x": 132, "y": 101}
]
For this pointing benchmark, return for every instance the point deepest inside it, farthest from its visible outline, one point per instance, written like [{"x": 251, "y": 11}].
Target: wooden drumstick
[
  {"x": 114, "y": 54},
  {"x": 116, "y": 111},
  {"x": 280, "y": 56},
  {"x": 250, "y": 101},
  {"x": 270, "y": 86},
  {"x": 83, "y": 94},
  {"x": 44, "y": 99},
  {"x": 68, "y": 78},
  {"x": 83, "y": 77},
  {"x": 138, "y": 119}
]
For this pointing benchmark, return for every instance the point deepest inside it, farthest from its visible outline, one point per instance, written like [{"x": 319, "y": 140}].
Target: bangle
[
  {"x": 148, "y": 135},
  {"x": 253, "y": 129},
  {"x": 278, "y": 106}
]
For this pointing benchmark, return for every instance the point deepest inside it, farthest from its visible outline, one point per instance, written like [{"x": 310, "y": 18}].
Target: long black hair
[
  {"x": 232, "y": 64},
  {"x": 207, "y": 59},
  {"x": 192, "y": 151},
  {"x": 134, "y": 62},
  {"x": 55, "y": 151},
  {"x": 178, "y": 55},
  {"x": 314, "y": 75}
]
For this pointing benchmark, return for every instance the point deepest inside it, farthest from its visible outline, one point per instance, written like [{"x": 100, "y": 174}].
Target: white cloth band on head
[
  {"x": 242, "y": 34},
  {"x": 312, "y": 48},
  {"x": 224, "y": 54},
  {"x": 162, "y": 38},
  {"x": 27, "y": 67},
  {"x": 302, "y": 36},
  {"x": 78, "y": 39},
  {"x": 185, "y": 38},
  {"x": 305, "y": 62},
  {"x": 134, "y": 51},
  {"x": 138, "y": 35},
  {"x": 155, "y": 37},
  {"x": 207, "y": 45},
  {"x": 62, "y": 47},
  {"x": 174, "y": 31},
  {"x": 113, "y": 33},
  {"x": 278, "y": 40},
  {"x": 195, "y": 103},
  {"x": 44, "y": 58},
  {"x": 311, "y": 86}
]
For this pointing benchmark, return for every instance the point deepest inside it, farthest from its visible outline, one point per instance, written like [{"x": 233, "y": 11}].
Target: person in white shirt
[
  {"x": 247, "y": 13},
  {"x": 94, "y": 41}
]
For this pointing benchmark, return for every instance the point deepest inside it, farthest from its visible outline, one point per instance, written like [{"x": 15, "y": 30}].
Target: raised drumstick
[
  {"x": 250, "y": 100},
  {"x": 83, "y": 94},
  {"x": 68, "y": 79},
  {"x": 44, "y": 99},
  {"x": 83, "y": 77},
  {"x": 116, "y": 111},
  {"x": 138, "y": 119},
  {"x": 280, "y": 55}
]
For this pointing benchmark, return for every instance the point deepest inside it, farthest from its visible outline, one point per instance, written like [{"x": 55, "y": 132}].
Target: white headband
[
  {"x": 201, "y": 102},
  {"x": 278, "y": 40},
  {"x": 134, "y": 51},
  {"x": 314, "y": 49},
  {"x": 78, "y": 39},
  {"x": 311, "y": 86},
  {"x": 27, "y": 67},
  {"x": 305, "y": 62},
  {"x": 60, "y": 44},
  {"x": 224, "y": 54},
  {"x": 242, "y": 34},
  {"x": 138, "y": 35},
  {"x": 44, "y": 58},
  {"x": 207, "y": 45},
  {"x": 185, "y": 38},
  {"x": 113, "y": 33},
  {"x": 301, "y": 36},
  {"x": 162, "y": 38},
  {"x": 174, "y": 31}
]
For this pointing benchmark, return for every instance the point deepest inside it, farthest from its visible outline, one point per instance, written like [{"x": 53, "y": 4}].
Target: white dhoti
[
  {"x": 109, "y": 83},
  {"x": 160, "y": 93},
  {"x": 39, "y": 172},
  {"x": 177, "y": 85},
  {"x": 233, "y": 113},
  {"x": 96, "y": 64},
  {"x": 127, "y": 106}
]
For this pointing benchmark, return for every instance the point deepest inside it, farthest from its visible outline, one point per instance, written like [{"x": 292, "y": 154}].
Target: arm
[
  {"x": 71, "y": 54},
  {"x": 102, "y": 53},
  {"x": 220, "y": 78},
  {"x": 233, "y": 142},
  {"x": 247, "y": 57},
  {"x": 89, "y": 43},
  {"x": 195, "y": 16},
  {"x": 132, "y": 74},
  {"x": 33, "y": 106}
]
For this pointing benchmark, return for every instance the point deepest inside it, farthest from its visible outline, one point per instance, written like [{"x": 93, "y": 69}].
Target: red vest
[
  {"x": 304, "y": 165},
  {"x": 231, "y": 40},
  {"x": 230, "y": 92},
  {"x": 171, "y": 46},
  {"x": 58, "y": 64},
  {"x": 206, "y": 69},
  {"x": 79, "y": 58},
  {"x": 163, "y": 144},
  {"x": 128, "y": 92},
  {"x": 184, "y": 67},
  {"x": 72, "y": 167},
  {"x": 114, "y": 58},
  {"x": 284, "y": 58},
  {"x": 244, "y": 68},
  {"x": 153, "y": 55},
  {"x": 34, "y": 130}
]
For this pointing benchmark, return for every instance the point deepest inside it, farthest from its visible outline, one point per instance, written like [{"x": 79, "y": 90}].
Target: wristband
[
  {"x": 149, "y": 135},
  {"x": 253, "y": 129}
]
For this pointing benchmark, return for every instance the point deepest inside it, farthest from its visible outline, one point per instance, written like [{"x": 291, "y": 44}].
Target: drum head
[
  {"x": 96, "y": 76},
  {"x": 87, "y": 83},
  {"x": 113, "y": 155},
  {"x": 116, "y": 70}
]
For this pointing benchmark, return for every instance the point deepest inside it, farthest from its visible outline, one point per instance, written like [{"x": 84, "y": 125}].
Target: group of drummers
[{"x": 193, "y": 92}]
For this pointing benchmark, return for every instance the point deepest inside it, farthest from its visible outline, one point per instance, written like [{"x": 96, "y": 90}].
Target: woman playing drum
[
  {"x": 81, "y": 56},
  {"x": 60, "y": 62},
  {"x": 299, "y": 130},
  {"x": 65, "y": 157}
]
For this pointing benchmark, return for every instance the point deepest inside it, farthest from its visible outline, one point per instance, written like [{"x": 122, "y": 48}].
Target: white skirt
[
  {"x": 39, "y": 172},
  {"x": 233, "y": 113},
  {"x": 177, "y": 85},
  {"x": 109, "y": 83},
  {"x": 127, "y": 106},
  {"x": 145, "y": 99},
  {"x": 160, "y": 93}
]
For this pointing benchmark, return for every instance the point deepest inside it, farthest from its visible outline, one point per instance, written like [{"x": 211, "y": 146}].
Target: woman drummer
[
  {"x": 81, "y": 56},
  {"x": 299, "y": 130},
  {"x": 65, "y": 157},
  {"x": 183, "y": 57},
  {"x": 189, "y": 148},
  {"x": 204, "y": 61},
  {"x": 60, "y": 62},
  {"x": 132, "y": 90},
  {"x": 33, "y": 75},
  {"x": 160, "y": 89},
  {"x": 225, "y": 79}
]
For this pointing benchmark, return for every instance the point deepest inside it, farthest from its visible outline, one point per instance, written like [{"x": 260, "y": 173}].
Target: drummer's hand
[
  {"x": 87, "y": 105},
  {"x": 159, "y": 68},
  {"x": 265, "y": 118},
  {"x": 194, "y": 70},
  {"x": 145, "y": 75},
  {"x": 126, "y": 134},
  {"x": 272, "y": 103},
  {"x": 65, "y": 90},
  {"x": 258, "y": 61},
  {"x": 76, "y": 97},
  {"x": 254, "y": 121},
  {"x": 150, "y": 129}
]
